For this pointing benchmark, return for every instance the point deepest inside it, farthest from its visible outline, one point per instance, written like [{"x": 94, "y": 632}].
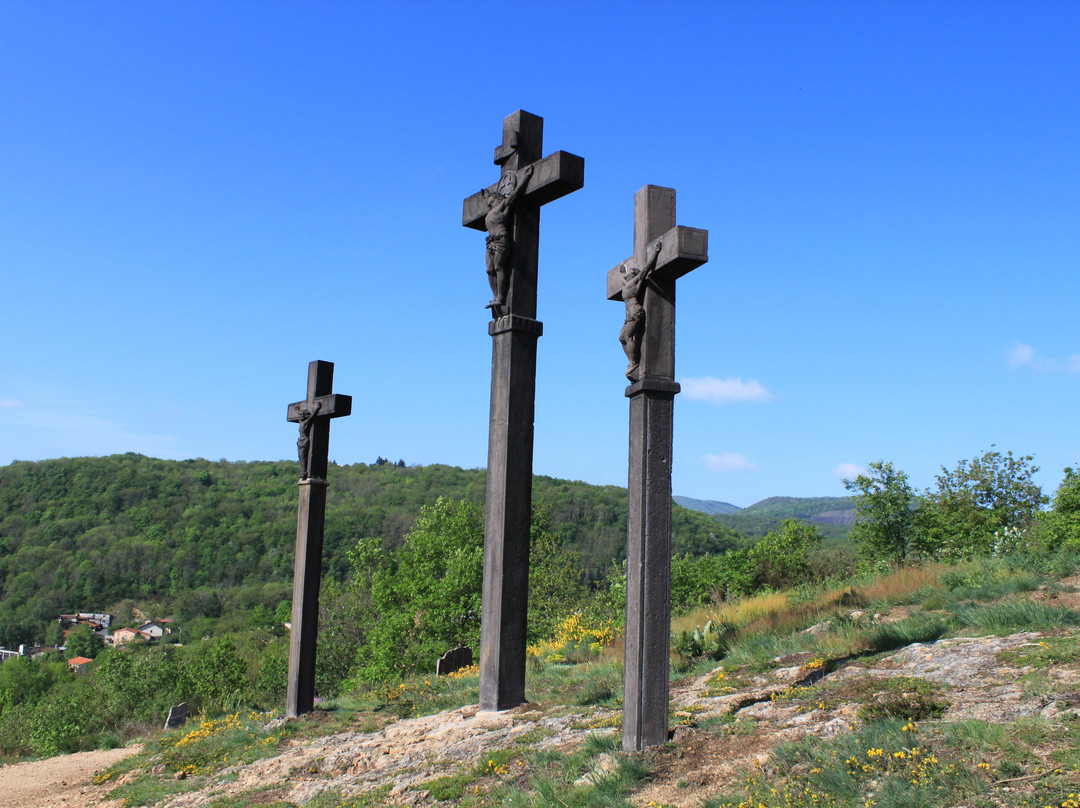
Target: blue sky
[{"x": 197, "y": 199}]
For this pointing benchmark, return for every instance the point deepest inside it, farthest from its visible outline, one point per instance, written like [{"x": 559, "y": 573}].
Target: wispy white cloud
[
  {"x": 848, "y": 471},
  {"x": 11, "y": 402},
  {"x": 1024, "y": 356},
  {"x": 725, "y": 391},
  {"x": 728, "y": 461}
]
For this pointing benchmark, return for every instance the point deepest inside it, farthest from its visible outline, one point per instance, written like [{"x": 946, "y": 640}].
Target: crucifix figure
[
  {"x": 666, "y": 252},
  {"x": 303, "y": 443},
  {"x": 510, "y": 211},
  {"x": 313, "y": 414},
  {"x": 633, "y": 294},
  {"x": 499, "y": 244}
]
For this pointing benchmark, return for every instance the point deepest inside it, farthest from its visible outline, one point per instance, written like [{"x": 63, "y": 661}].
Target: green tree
[
  {"x": 82, "y": 642},
  {"x": 65, "y": 718},
  {"x": 782, "y": 557},
  {"x": 54, "y": 634},
  {"x": 142, "y": 684},
  {"x": 979, "y": 498},
  {"x": 342, "y": 630},
  {"x": 555, "y": 585},
  {"x": 24, "y": 681},
  {"x": 884, "y": 513},
  {"x": 1061, "y": 526},
  {"x": 426, "y": 598},
  {"x": 220, "y": 677}
]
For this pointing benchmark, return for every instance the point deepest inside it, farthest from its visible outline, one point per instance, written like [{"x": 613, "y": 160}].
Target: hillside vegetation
[{"x": 204, "y": 539}]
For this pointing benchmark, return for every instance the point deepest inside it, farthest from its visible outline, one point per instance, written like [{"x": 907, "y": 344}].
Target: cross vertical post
[
  {"x": 526, "y": 182},
  {"x": 313, "y": 414},
  {"x": 663, "y": 252}
]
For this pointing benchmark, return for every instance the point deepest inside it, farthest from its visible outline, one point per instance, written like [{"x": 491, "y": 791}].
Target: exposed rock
[{"x": 759, "y": 709}]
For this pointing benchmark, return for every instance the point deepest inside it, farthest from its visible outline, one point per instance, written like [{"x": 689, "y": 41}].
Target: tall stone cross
[
  {"x": 510, "y": 211},
  {"x": 313, "y": 414},
  {"x": 663, "y": 252}
]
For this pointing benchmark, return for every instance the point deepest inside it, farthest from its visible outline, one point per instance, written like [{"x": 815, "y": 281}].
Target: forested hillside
[{"x": 202, "y": 537}]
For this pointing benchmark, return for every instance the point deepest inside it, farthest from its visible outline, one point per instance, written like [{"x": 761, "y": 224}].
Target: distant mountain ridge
[
  {"x": 834, "y": 516},
  {"x": 709, "y": 506}
]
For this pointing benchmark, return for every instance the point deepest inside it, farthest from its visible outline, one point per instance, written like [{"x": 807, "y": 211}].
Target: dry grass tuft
[{"x": 903, "y": 584}]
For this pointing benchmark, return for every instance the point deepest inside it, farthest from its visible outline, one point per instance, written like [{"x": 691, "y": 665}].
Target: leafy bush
[
  {"x": 711, "y": 640},
  {"x": 579, "y": 637},
  {"x": 220, "y": 677},
  {"x": 904, "y": 698},
  {"x": 141, "y": 686},
  {"x": 781, "y": 558},
  {"x": 65, "y": 719},
  {"x": 426, "y": 598}
]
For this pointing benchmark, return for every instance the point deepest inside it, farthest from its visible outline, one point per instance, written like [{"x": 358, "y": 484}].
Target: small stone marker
[
  {"x": 663, "y": 252},
  {"x": 177, "y": 716},
  {"x": 510, "y": 211},
  {"x": 454, "y": 660},
  {"x": 313, "y": 414}
]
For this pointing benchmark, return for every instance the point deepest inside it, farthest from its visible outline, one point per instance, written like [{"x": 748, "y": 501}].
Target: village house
[
  {"x": 149, "y": 631},
  {"x": 126, "y": 635},
  {"x": 79, "y": 663},
  {"x": 154, "y": 630}
]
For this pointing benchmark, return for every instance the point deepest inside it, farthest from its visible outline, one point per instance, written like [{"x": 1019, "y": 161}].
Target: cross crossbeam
[
  {"x": 683, "y": 250},
  {"x": 553, "y": 177}
]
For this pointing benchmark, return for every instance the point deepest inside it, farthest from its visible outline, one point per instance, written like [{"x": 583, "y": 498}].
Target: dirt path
[{"x": 59, "y": 782}]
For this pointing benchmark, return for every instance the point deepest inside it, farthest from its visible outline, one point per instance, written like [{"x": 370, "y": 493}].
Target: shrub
[
  {"x": 904, "y": 698},
  {"x": 712, "y": 641}
]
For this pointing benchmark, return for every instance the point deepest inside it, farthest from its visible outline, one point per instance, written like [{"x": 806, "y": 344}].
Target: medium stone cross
[
  {"x": 313, "y": 414},
  {"x": 514, "y": 331},
  {"x": 652, "y": 402}
]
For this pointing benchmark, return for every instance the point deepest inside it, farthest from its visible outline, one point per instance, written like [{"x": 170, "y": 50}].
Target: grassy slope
[{"x": 896, "y": 751}]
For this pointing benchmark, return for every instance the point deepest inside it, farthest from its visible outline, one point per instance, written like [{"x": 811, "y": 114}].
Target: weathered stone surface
[
  {"x": 403, "y": 755},
  {"x": 453, "y": 660},
  {"x": 177, "y": 716},
  {"x": 702, "y": 763}
]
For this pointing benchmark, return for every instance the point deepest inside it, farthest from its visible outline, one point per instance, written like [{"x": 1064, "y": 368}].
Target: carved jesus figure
[
  {"x": 633, "y": 294},
  {"x": 500, "y": 244},
  {"x": 303, "y": 443}
]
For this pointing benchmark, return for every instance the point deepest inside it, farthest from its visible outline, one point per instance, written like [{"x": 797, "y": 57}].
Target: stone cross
[
  {"x": 514, "y": 331},
  {"x": 652, "y": 400},
  {"x": 313, "y": 414}
]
